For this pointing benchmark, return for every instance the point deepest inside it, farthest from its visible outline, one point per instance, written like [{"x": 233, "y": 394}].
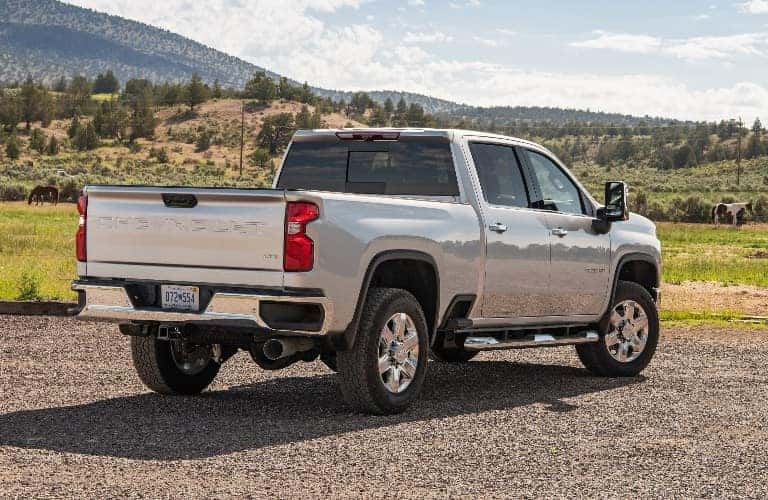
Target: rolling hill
[{"x": 47, "y": 39}]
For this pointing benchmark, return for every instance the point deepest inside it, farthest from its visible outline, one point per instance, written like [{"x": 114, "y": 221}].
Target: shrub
[
  {"x": 53, "y": 147},
  {"x": 12, "y": 148},
  {"x": 28, "y": 286},
  {"x": 159, "y": 154},
  {"x": 86, "y": 138},
  {"x": 13, "y": 193},
  {"x": 203, "y": 142},
  {"x": 37, "y": 141},
  {"x": 69, "y": 191}
]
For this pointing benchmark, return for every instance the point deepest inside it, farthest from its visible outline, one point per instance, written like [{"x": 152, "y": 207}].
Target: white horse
[{"x": 735, "y": 211}]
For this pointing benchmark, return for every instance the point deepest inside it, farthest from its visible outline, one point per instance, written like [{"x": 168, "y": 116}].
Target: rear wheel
[
  {"x": 629, "y": 335},
  {"x": 384, "y": 371},
  {"x": 175, "y": 367}
]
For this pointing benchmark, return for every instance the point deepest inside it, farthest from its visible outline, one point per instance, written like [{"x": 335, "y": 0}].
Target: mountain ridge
[{"x": 47, "y": 39}]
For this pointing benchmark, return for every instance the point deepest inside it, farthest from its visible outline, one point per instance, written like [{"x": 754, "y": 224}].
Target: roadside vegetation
[
  {"x": 36, "y": 251},
  {"x": 37, "y": 259},
  {"x": 74, "y": 131}
]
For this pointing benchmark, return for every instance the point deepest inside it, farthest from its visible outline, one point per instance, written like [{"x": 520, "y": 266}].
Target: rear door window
[
  {"x": 410, "y": 166},
  {"x": 500, "y": 175}
]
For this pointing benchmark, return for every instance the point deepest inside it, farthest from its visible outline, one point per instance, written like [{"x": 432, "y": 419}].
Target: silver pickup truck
[{"x": 373, "y": 250}]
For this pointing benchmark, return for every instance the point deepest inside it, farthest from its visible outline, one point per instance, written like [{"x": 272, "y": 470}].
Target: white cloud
[
  {"x": 291, "y": 38},
  {"x": 488, "y": 42},
  {"x": 416, "y": 3},
  {"x": 719, "y": 47},
  {"x": 754, "y": 7},
  {"x": 692, "y": 49},
  {"x": 241, "y": 28},
  {"x": 435, "y": 37},
  {"x": 622, "y": 42}
]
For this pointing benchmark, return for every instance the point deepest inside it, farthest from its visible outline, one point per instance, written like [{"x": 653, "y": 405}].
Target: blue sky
[{"x": 682, "y": 59}]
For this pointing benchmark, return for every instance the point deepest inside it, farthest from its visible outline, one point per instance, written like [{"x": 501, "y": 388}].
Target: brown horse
[{"x": 41, "y": 194}]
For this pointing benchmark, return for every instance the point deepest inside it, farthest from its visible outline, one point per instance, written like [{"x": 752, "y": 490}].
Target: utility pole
[
  {"x": 242, "y": 135},
  {"x": 738, "y": 152}
]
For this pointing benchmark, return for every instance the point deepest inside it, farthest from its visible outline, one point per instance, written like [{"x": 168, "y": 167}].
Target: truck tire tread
[
  {"x": 358, "y": 386},
  {"x": 596, "y": 358},
  {"x": 157, "y": 371}
]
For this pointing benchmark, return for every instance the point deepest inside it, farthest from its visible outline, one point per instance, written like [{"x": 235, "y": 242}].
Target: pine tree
[
  {"x": 757, "y": 127},
  {"x": 261, "y": 88},
  {"x": 12, "y": 148},
  {"x": 30, "y": 102},
  {"x": 74, "y": 127},
  {"x": 216, "y": 93},
  {"x": 389, "y": 106},
  {"x": 60, "y": 85},
  {"x": 37, "y": 141},
  {"x": 86, "y": 138},
  {"x": 106, "y": 83},
  {"x": 276, "y": 132},
  {"x": 53, "y": 146},
  {"x": 303, "y": 119},
  {"x": 143, "y": 121},
  {"x": 196, "y": 93}
]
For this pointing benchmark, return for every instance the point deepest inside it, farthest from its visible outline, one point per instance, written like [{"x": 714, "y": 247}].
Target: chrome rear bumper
[{"x": 111, "y": 303}]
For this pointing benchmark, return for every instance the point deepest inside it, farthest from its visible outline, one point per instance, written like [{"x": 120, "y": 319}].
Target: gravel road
[{"x": 75, "y": 421}]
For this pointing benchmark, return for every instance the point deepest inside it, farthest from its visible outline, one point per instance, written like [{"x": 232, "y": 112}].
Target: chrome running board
[{"x": 537, "y": 340}]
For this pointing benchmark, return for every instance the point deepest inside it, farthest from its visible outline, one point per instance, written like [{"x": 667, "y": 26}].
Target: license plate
[{"x": 185, "y": 298}]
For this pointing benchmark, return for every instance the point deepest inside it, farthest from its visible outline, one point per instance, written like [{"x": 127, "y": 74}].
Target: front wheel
[
  {"x": 174, "y": 367},
  {"x": 629, "y": 335},
  {"x": 384, "y": 371}
]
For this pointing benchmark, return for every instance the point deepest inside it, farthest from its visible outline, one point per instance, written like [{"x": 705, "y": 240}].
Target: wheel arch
[
  {"x": 638, "y": 268},
  {"x": 419, "y": 274}
]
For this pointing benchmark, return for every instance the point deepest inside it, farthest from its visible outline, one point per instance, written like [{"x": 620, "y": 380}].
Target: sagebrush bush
[
  {"x": 13, "y": 193},
  {"x": 28, "y": 286}
]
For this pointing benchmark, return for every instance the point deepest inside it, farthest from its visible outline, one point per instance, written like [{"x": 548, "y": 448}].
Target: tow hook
[{"x": 168, "y": 332}]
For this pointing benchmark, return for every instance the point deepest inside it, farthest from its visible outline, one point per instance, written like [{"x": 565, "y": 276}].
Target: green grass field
[
  {"x": 701, "y": 252},
  {"x": 37, "y": 252}
]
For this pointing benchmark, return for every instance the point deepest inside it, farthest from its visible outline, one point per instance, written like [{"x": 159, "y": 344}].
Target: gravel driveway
[{"x": 74, "y": 421}]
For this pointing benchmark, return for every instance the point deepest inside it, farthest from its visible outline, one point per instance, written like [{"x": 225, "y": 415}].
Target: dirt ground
[
  {"x": 75, "y": 422},
  {"x": 703, "y": 297}
]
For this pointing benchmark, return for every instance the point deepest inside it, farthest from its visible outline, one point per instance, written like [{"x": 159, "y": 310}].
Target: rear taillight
[
  {"x": 299, "y": 248},
  {"x": 82, "y": 208}
]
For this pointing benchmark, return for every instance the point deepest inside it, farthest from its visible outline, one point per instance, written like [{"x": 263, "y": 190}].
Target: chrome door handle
[
  {"x": 498, "y": 227},
  {"x": 559, "y": 231}
]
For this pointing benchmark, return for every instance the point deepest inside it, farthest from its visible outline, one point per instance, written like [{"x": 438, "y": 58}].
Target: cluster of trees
[
  {"x": 363, "y": 108},
  {"x": 691, "y": 208}
]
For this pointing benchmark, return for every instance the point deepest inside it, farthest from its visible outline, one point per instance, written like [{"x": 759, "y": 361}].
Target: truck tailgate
[{"x": 227, "y": 229}]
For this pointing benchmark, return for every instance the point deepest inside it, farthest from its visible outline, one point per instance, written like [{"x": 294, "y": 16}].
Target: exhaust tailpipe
[{"x": 275, "y": 349}]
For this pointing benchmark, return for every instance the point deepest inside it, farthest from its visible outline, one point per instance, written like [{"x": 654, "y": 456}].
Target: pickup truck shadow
[{"x": 281, "y": 411}]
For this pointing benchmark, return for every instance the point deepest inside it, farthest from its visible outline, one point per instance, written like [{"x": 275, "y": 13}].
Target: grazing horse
[
  {"x": 41, "y": 194},
  {"x": 735, "y": 211}
]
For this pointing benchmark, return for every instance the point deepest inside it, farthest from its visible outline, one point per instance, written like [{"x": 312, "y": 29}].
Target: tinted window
[
  {"x": 320, "y": 166},
  {"x": 558, "y": 192},
  {"x": 500, "y": 174},
  {"x": 404, "y": 167}
]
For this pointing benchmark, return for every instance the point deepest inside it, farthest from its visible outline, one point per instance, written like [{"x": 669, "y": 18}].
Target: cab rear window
[{"x": 409, "y": 166}]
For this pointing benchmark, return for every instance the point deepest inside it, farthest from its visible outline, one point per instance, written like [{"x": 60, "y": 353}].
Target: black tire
[
  {"x": 329, "y": 360},
  {"x": 359, "y": 378},
  {"x": 157, "y": 369},
  {"x": 597, "y": 358},
  {"x": 451, "y": 355}
]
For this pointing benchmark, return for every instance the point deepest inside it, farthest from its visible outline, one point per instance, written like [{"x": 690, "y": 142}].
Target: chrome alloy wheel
[
  {"x": 398, "y": 352},
  {"x": 191, "y": 359},
  {"x": 628, "y": 331}
]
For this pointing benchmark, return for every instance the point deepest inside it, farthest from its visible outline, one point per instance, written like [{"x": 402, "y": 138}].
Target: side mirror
[{"x": 616, "y": 208}]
